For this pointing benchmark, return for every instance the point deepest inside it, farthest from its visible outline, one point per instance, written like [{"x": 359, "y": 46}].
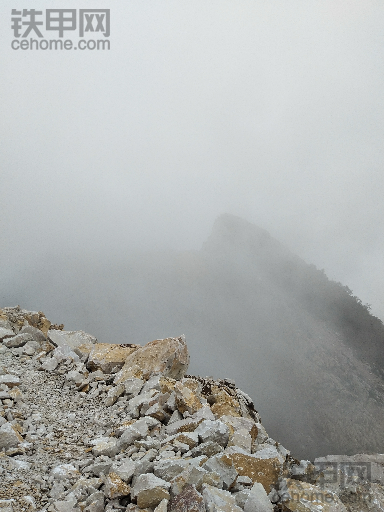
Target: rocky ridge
[{"x": 94, "y": 427}]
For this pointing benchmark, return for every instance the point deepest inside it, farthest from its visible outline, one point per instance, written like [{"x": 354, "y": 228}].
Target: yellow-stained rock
[
  {"x": 115, "y": 487},
  {"x": 168, "y": 356},
  {"x": 167, "y": 385},
  {"x": 304, "y": 497},
  {"x": 106, "y": 356},
  {"x": 224, "y": 403},
  {"x": 186, "y": 400},
  {"x": 263, "y": 468},
  {"x": 182, "y": 438}
]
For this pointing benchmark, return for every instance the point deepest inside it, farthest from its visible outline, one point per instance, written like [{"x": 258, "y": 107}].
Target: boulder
[
  {"x": 264, "y": 466},
  {"x": 224, "y": 467},
  {"x": 224, "y": 403},
  {"x": 107, "y": 356},
  {"x": 215, "y": 431},
  {"x": 188, "y": 500},
  {"x": 6, "y": 332},
  {"x": 219, "y": 500},
  {"x": 149, "y": 490},
  {"x": 168, "y": 356},
  {"x": 9, "y": 436},
  {"x": 115, "y": 487},
  {"x": 9, "y": 380},
  {"x": 187, "y": 400},
  {"x": 72, "y": 339},
  {"x": 17, "y": 341},
  {"x": 258, "y": 500}
]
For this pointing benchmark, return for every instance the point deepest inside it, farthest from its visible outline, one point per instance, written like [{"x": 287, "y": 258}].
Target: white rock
[
  {"x": 9, "y": 380},
  {"x": 5, "y": 333},
  {"x": 217, "y": 499},
  {"x": 162, "y": 506},
  {"x": 215, "y": 431},
  {"x": 132, "y": 433},
  {"x": 9, "y": 437},
  {"x": 95, "y": 502},
  {"x": 108, "y": 446},
  {"x": 124, "y": 469},
  {"x": 64, "y": 471},
  {"x": 133, "y": 386},
  {"x": 227, "y": 473},
  {"x": 258, "y": 500},
  {"x": 50, "y": 364},
  {"x": 31, "y": 347},
  {"x": 72, "y": 339}
]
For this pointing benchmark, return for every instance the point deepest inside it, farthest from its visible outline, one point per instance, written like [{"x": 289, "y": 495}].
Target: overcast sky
[{"x": 271, "y": 110}]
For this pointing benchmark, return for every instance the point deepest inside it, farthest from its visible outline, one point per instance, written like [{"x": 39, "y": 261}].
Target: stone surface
[
  {"x": 150, "y": 490},
  {"x": 224, "y": 467},
  {"x": 124, "y": 469},
  {"x": 264, "y": 466},
  {"x": 107, "y": 356},
  {"x": 258, "y": 500},
  {"x": 9, "y": 436},
  {"x": 9, "y": 380},
  {"x": 168, "y": 356},
  {"x": 72, "y": 339},
  {"x": 17, "y": 341},
  {"x": 219, "y": 500},
  {"x": 5, "y": 333},
  {"x": 214, "y": 431},
  {"x": 189, "y": 500},
  {"x": 224, "y": 403},
  {"x": 115, "y": 487}
]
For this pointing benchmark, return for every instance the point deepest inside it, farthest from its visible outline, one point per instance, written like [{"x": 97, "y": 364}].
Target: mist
[{"x": 269, "y": 111}]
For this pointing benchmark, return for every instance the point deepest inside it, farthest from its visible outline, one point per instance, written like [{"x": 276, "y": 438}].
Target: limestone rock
[
  {"x": 124, "y": 469},
  {"x": 218, "y": 500},
  {"x": 258, "y": 500},
  {"x": 9, "y": 380},
  {"x": 168, "y": 356},
  {"x": 36, "y": 333},
  {"x": 95, "y": 502},
  {"x": 17, "y": 341},
  {"x": 6, "y": 333},
  {"x": 9, "y": 437},
  {"x": 224, "y": 467},
  {"x": 264, "y": 466},
  {"x": 149, "y": 490},
  {"x": 224, "y": 404},
  {"x": 186, "y": 399},
  {"x": 133, "y": 386},
  {"x": 133, "y": 432},
  {"x": 72, "y": 339},
  {"x": 115, "y": 487},
  {"x": 162, "y": 506},
  {"x": 107, "y": 356},
  {"x": 188, "y": 500},
  {"x": 215, "y": 431},
  {"x": 108, "y": 446}
]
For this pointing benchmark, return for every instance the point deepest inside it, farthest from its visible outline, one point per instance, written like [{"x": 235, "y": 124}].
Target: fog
[{"x": 272, "y": 111}]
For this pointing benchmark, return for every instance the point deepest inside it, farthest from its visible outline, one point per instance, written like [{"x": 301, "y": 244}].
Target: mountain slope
[{"x": 307, "y": 351}]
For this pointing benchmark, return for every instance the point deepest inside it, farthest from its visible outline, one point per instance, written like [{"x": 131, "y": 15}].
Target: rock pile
[{"x": 94, "y": 427}]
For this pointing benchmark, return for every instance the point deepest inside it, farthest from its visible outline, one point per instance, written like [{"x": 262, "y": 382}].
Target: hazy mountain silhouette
[{"x": 308, "y": 352}]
